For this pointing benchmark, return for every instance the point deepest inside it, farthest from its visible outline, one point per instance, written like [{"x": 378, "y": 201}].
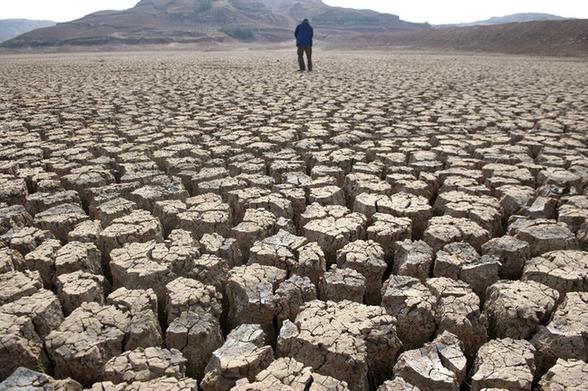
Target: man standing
[{"x": 304, "y": 34}]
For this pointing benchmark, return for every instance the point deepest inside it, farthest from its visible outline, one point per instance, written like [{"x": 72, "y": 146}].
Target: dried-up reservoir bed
[{"x": 218, "y": 221}]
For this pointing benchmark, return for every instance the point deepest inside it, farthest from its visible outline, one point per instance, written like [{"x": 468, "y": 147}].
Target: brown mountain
[
  {"x": 514, "y": 18},
  {"x": 550, "y": 38},
  {"x": 189, "y": 21}
]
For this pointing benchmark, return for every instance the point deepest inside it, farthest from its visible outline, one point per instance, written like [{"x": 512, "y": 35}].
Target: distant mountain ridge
[
  {"x": 10, "y": 28},
  {"x": 514, "y": 18},
  {"x": 196, "y": 21},
  {"x": 545, "y": 38},
  {"x": 216, "y": 23}
]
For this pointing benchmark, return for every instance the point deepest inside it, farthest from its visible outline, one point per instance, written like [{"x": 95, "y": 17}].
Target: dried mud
[{"x": 218, "y": 221}]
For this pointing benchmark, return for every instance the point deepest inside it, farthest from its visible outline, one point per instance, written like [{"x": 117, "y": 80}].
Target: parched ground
[{"x": 218, "y": 221}]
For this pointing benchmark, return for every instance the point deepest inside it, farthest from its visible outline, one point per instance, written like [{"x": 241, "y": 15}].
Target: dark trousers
[{"x": 308, "y": 51}]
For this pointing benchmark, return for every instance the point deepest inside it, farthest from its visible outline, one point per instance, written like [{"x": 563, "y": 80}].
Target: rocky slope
[
  {"x": 514, "y": 18},
  {"x": 551, "y": 38},
  {"x": 189, "y": 21}
]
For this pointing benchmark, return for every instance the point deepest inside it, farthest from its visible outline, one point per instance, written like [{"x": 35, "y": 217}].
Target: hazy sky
[{"x": 433, "y": 11}]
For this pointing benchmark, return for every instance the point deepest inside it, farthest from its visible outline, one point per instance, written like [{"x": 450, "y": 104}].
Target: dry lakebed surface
[{"x": 217, "y": 221}]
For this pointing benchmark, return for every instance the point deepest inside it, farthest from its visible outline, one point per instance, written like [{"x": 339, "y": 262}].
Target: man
[{"x": 304, "y": 34}]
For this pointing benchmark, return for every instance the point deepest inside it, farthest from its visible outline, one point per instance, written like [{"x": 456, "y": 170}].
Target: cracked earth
[{"x": 217, "y": 221}]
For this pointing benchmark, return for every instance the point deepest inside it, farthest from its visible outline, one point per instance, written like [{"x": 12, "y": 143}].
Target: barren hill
[
  {"x": 514, "y": 18},
  {"x": 553, "y": 38},
  {"x": 188, "y": 21}
]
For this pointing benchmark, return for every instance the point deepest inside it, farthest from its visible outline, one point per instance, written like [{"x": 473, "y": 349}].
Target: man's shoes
[{"x": 302, "y": 70}]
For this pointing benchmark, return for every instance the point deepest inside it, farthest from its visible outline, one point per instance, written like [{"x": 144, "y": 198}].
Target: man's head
[{"x": 305, "y": 21}]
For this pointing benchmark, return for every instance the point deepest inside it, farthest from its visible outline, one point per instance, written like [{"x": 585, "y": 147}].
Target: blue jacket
[{"x": 304, "y": 34}]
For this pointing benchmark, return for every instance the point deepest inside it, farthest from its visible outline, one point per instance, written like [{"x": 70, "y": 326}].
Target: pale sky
[{"x": 432, "y": 11}]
